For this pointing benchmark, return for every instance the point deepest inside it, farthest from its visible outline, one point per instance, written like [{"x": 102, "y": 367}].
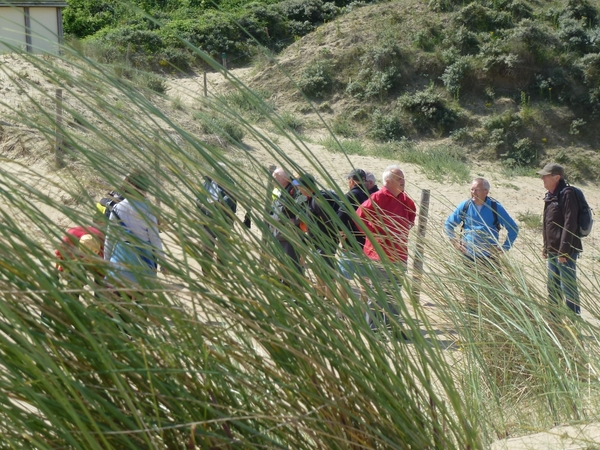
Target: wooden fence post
[
  {"x": 58, "y": 145},
  {"x": 205, "y": 85},
  {"x": 419, "y": 254}
]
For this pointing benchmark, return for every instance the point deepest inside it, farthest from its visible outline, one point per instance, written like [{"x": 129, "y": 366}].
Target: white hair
[
  {"x": 370, "y": 176},
  {"x": 279, "y": 171},
  {"x": 484, "y": 182},
  {"x": 387, "y": 172}
]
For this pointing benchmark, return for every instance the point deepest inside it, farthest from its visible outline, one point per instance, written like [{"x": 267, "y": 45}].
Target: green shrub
[
  {"x": 444, "y": 5},
  {"x": 590, "y": 68},
  {"x": 316, "y": 81},
  {"x": 428, "y": 110},
  {"x": 455, "y": 75},
  {"x": 532, "y": 221},
  {"x": 222, "y": 127},
  {"x": 347, "y": 146},
  {"x": 292, "y": 122},
  {"x": 478, "y": 18},
  {"x": 342, "y": 126},
  {"x": 521, "y": 153},
  {"x": 151, "y": 81},
  {"x": 385, "y": 126},
  {"x": 440, "y": 162}
]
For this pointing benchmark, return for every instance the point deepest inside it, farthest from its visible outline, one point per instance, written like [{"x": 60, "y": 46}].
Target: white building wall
[
  {"x": 12, "y": 28},
  {"x": 44, "y": 30}
]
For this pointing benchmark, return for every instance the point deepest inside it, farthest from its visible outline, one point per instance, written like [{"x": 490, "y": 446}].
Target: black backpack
[
  {"x": 108, "y": 203},
  {"x": 585, "y": 218},
  {"x": 494, "y": 203}
]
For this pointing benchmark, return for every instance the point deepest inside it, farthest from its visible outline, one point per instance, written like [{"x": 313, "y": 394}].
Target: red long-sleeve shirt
[{"x": 389, "y": 218}]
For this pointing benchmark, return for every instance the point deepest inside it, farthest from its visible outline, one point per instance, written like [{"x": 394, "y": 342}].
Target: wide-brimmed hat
[{"x": 552, "y": 169}]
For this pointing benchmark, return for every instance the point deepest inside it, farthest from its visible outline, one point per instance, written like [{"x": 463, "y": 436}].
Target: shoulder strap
[
  {"x": 463, "y": 214},
  {"x": 495, "y": 211}
]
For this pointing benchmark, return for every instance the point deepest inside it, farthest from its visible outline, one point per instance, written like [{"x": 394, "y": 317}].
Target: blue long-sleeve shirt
[{"x": 480, "y": 233}]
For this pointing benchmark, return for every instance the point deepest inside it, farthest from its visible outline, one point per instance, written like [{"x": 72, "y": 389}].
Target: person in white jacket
[{"x": 133, "y": 245}]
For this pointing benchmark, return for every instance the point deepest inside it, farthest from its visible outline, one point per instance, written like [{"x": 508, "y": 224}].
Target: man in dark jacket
[
  {"x": 356, "y": 196},
  {"x": 561, "y": 242},
  {"x": 321, "y": 224}
]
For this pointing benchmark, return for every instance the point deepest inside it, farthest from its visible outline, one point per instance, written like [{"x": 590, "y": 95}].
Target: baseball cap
[
  {"x": 357, "y": 175},
  {"x": 90, "y": 243},
  {"x": 552, "y": 169}
]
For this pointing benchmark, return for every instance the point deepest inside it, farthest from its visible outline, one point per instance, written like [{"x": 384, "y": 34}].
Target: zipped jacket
[
  {"x": 561, "y": 212},
  {"x": 356, "y": 197},
  {"x": 479, "y": 231}
]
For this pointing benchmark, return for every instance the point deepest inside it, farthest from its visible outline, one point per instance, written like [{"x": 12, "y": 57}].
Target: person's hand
[
  {"x": 163, "y": 270},
  {"x": 544, "y": 255},
  {"x": 562, "y": 259},
  {"x": 458, "y": 245}
]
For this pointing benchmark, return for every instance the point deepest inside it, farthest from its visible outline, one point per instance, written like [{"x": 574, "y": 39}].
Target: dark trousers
[{"x": 292, "y": 254}]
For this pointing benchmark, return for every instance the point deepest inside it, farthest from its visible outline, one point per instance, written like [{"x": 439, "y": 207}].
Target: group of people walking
[{"x": 370, "y": 220}]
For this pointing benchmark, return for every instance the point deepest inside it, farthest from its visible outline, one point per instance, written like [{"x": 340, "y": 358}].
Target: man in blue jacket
[{"x": 482, "y": 218}]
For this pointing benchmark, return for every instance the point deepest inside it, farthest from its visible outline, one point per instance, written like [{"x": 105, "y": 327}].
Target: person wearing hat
[
  {"x": 132, "y": 244},
  {"x": 354, "y": 238},
  {"x": 79, "y": 255},
  {"x": 561, "y": 241}
]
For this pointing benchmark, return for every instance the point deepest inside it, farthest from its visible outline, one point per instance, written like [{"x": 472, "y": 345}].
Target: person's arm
[
  {"x": 570, "y": 206},
  {"x": 366, "y": 213},
  {"x": 511, "y": 227},
  {"x": 452, "y": 222}
]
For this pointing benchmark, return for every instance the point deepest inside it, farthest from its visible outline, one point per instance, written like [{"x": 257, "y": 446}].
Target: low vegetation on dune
[{"x": 510, "y": 80}]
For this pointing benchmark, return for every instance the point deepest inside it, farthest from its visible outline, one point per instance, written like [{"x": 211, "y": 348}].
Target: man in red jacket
[{"x": 389, "y": 214}]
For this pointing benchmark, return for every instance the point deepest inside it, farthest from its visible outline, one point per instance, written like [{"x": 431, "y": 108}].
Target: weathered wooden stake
[
  {"x": 419, "y": 255},
  {"x": 205, "y": 85},
  {"x": 58, "y": 146}
]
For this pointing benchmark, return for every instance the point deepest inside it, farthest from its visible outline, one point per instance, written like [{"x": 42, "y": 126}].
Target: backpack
[
  {"x": 585, "y": 218},
  {"x": 333, "y": 200},
  {"x": 106, "y": 204},
  {"x": 494, "y": 203}
]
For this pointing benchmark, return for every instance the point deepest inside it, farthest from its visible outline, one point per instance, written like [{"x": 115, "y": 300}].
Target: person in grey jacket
[{"x": 132, "y": 243}]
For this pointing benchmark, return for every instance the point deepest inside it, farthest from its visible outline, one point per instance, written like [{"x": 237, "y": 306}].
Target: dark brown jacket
[{"x": 561, "y": 211}]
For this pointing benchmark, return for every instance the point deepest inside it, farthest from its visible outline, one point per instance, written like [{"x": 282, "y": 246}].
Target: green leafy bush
[
  {"x": 316, "y": 81},
  {"x": 455, "y": 75},
  {"x": 385, "y": 126},
  {"x": 476, "y": 17},
  {"x": 342, "y": 126},
  {"x": 521, "y": 153},
  {"x": 222, "y": 127},
  {"x": 428, "y": 110}
]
